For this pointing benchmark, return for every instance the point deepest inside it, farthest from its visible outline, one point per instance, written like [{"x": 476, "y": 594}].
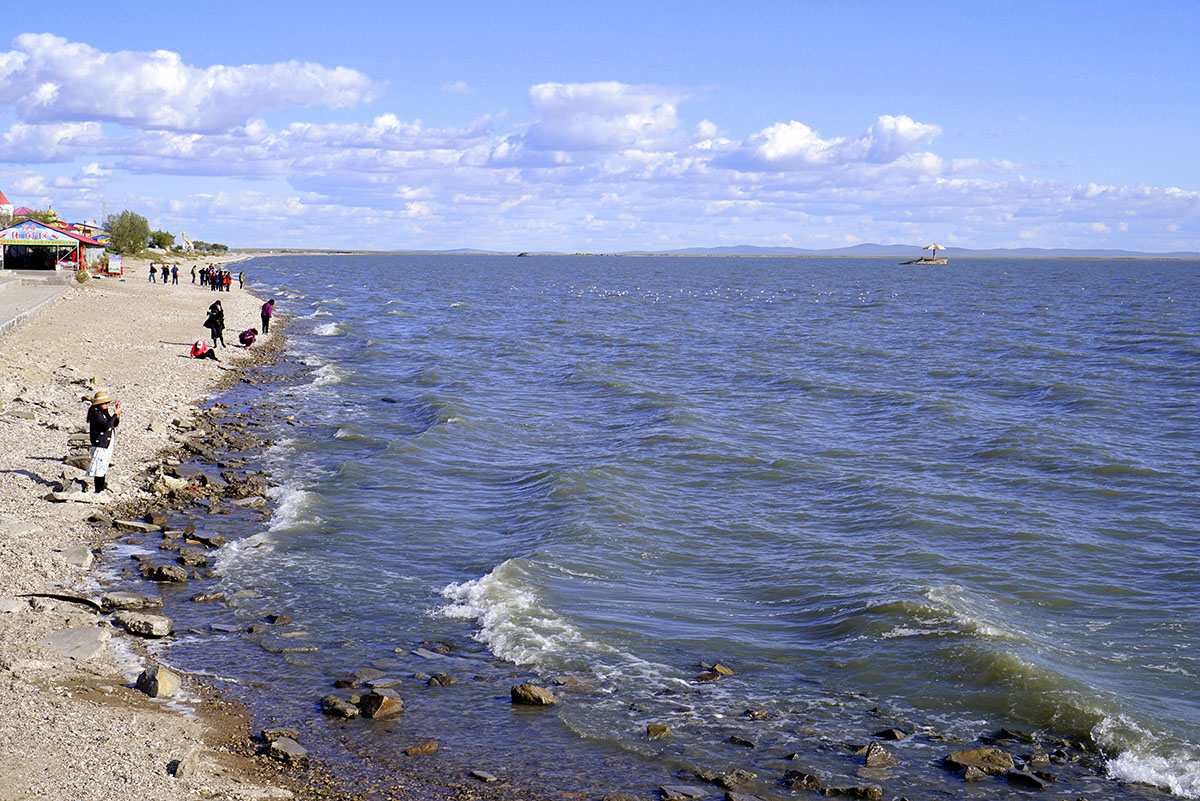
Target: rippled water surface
[{"x": 964, "y": 495}]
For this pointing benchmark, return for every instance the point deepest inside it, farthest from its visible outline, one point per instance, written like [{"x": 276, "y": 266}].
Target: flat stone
[
  {"x": 288, "y": 751},
  {"x": 359, "y": 677},
  {"x": 484, "y": 776},
  {"x": 425, "y": 653},
  {"x": 733, "y": 795},
  {"x": 10, "y": 605},
  {"x": 158, "y": 682},
  {"x": 205, "y": 597},
  {"x": 225, "y": 628},
  {"x": 681, "y": 792},
  {"x": 164, "y": 572},
  {"x": 136, "y": 525},
  {"x": 82, "y": 643},
  {"x": 532, "y": 695},
  {"x": 80, "y": 556},
  {"x": 1025, "y": 780},
  {"x": 144, "y": 625},
  {"x": 421, "y": 749},
  {"x": 129, "y": 600}
]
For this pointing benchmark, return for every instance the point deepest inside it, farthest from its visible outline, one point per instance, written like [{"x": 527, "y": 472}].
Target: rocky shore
[{"x": 73, "y": 721}]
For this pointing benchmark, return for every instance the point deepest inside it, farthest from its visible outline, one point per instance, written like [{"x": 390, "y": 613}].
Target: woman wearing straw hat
[{"x": 101, "y": 423}]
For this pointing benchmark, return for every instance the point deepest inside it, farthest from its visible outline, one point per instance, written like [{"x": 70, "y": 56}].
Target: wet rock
[
  {"x": 143, "y": 625},
  {"x": 379, "y": 684},
  {"x": 163, "y": 572},
  {"x": 799, "y": 780},
  {"x": 1014, "y": 734},
  {"x": 734, "y": 779},
  {"x": 380, "y": 704},
  {"x": 441, "y": 680},
  {"x": 225, "y": 628},
  {"x": 484, "y": 776},
  {"x": 358, "y": 677},
  {"x": 287, "y": 751},
  {"x": 421, "y": 749},
  {"x": 270, "y": 735},
  {"x": 758, "y": 714},
  {"x": 1025, "y": 780},
  {"x": 991, "y": 761},
  {"x": 532, "y": 695},
  {"x": 658, "y": 731},
  {"x": 876, "y": 756},
  {"x": 129, "y": 600},
  {"x": 710, "y": 675},
  {"x": 156, "y": 518},
  {"x": 205, "y": 597},
  {"x": 192, "y": 559},
  {"x": 973, "y": 774},
  {"x": 278, "y": 620},
  {"x": 890, "y": 734},
  {"x": 681, "y": 792},
  {"x": 157, "y": 682},
  {"x": 733, "y": 795},
  {"x": 135, "y": 525},
  {"x": 867, "y": 793},
  {"x": 338, "y": 708},
  {"x": 742, "y": 741},
  {"x": 210, "y": 540}
]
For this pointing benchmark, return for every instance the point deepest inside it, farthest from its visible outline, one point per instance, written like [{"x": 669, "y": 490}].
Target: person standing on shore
[
  {"x": 268, "y": 309},
  {"x": 153, "y": 273},
  {"x": 101, "y": 424},
  {"x": 228, "y": 280},
  {"x": 216, "y": 324},
  {"x": 193, "y": 273},
  {"x": 175, "y": 275},
  {"x": 241, "y": 280}
]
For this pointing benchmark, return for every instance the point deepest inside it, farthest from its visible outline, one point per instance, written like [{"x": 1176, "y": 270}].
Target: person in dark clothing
[
  {"x": 216, "y": 323},
  {"x": 101, "y": 424},
  {"x": 247, "y": 337}
]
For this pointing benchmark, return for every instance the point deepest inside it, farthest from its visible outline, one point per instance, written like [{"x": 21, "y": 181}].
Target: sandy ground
[{"x": 74, "y": 728}]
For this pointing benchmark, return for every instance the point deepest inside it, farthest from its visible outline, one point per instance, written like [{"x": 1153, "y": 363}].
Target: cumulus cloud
[
  {"x": 795, "y": 146},
  {"x": 49, "y": 79},
  {"x": 601, "y": 116},
  {"x": 54, "y": 142}
]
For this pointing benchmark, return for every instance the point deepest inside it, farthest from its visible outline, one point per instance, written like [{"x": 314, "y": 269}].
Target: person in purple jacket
[{"x": 268, "y": 309}]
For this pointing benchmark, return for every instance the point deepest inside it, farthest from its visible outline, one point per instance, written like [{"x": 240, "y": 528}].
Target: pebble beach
[{"x": 72, "y": 725}]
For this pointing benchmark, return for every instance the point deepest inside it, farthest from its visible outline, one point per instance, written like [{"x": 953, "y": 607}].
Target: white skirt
[{"x": 98, "y": 467}]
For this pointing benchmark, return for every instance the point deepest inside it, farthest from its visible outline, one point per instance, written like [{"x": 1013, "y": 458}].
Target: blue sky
[{"x": 612, "y": 126}]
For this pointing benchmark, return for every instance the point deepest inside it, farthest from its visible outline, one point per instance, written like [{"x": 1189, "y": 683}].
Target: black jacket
[{"x": 101, "y": 424}]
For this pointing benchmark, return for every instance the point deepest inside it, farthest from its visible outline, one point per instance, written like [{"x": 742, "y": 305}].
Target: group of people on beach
[
  {"x": 210, "y": 276},
  {"x": 216, "y": 279},
  {"x": 215, "y": 323}
]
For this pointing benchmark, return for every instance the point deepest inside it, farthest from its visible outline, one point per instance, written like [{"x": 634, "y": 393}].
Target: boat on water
[{"x": 934, "y": 259}]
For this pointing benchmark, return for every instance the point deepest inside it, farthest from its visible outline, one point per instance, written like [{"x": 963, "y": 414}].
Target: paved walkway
[{"x": 21, "y": 303}]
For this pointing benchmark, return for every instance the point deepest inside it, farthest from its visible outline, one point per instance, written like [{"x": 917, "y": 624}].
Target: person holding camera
[{"x": 104, "y": 415}]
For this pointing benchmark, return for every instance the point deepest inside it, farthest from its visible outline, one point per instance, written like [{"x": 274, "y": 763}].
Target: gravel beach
[{"x": 72, "y": 726}]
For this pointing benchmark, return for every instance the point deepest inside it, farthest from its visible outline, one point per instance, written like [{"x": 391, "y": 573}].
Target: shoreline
[{"x": 70, "y": 723}]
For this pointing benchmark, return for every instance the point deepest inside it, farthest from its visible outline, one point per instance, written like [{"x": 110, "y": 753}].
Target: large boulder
[
  {"x": 991, "y": 761},
  {"x": 158, "y": 682},
  {"x": 532, "y": 695}
]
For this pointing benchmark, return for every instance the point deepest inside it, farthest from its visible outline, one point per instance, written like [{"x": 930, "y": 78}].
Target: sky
[{"x": 609, "y": 127}]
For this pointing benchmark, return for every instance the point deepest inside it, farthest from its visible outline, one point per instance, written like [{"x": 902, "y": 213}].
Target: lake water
[{"x": 944, "y": 498}]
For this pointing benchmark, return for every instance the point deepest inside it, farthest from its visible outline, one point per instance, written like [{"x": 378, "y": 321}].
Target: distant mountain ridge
[{"x": 871, "y": 250}]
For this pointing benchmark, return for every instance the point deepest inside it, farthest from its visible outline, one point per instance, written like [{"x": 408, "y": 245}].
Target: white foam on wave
[
  {"x": 518, "y": 626},
  {"x": 327, "y": 374},
  {"x": 327, "y": 330},
  {"x": 971, "y": 614},
  {"x": 1145, "y": 759}
]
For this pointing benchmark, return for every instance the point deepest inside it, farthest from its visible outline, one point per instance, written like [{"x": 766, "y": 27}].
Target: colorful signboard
[
  {"x": 34, "y": 233},
  {"x": 114, "y": 265}
]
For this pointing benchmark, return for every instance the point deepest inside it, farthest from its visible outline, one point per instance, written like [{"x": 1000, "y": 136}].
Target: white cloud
[
  {"x": 601, "y": 116},
  {"x": 39, "y": 144},
  {"x": 49, "y": 79},
  {"x": 456, "y": 88}
]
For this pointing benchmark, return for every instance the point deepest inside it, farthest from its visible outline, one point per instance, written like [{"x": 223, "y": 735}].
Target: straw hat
[{"x": 100, "y": 397}]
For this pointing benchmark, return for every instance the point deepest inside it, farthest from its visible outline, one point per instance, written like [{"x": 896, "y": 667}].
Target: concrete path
[{"x": 21, "y": 303}]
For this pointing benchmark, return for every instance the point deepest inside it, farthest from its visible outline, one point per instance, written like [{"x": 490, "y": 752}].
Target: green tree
[
  {"x": 162, "y": 239},
  {"x": 129, "y": 231}
]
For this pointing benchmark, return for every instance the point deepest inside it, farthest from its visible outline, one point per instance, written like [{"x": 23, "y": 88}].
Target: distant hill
[{"x": 871, "y": 250}]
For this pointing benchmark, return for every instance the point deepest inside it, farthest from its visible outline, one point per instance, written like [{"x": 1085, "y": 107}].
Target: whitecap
[{"x": 327, "y": 330}]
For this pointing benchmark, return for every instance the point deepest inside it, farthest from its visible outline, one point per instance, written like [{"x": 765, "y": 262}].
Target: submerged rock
[
  {"x": 381, "y": 704},
  {"x": 421, "y": 749},
  {"x": 338, "y": 707},
  {"x": 657, "y": 731}
]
